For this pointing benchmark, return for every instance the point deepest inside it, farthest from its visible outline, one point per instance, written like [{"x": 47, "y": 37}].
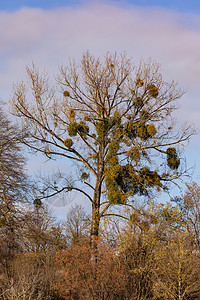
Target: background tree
[
  {"x": 144, "y": 230},
  {"x": 39, "y": 231},
  {"x": 177, "y": 274},
  {"x": 113, "y": 119},
  {"x": 12, "y": 164},
  {"x": 13, "y": 185},
  {"x": 77, "y": 225},
  {"x": 189, "y": 206}
]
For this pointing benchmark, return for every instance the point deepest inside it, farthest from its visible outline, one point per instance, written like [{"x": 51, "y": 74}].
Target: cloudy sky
[{"x": 48, "y": 32}]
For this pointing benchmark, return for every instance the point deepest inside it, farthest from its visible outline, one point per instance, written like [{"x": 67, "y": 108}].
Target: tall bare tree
[
  {"x": 12, "y": 164},
  {"x": 113, "y": 119},
  {"x": 189, "y": 206},
  {"x": 12, "y": 187}
]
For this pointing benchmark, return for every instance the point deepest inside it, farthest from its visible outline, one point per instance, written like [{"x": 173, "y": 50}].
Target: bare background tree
[{"x": 13, "y": 188}]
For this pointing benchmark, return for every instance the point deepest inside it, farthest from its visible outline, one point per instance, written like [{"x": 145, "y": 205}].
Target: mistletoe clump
[
  {"x": 87, "y": 119},
  {"x": 66, "y": 94},
  {"x": 153, "y": 90},
  {"x": 142, "y": 131},
  {"x": 139, "y": 129},
  {"x": 68, "y": 143},
  {"x": 83, "y": 129},
  {"x": 115, "y": 194},
  {"x": 37, "y": 203},
  {"x": 150, "y": 178},
  {"x": 134, "y": 153},
  {"x": 139, "y": 83},
  {"x": 124, "y": 181},
  {"x": 102, "y": 127},
  {"x": 72, "y": 114},
  {"x": 116, "y": 119},
  {"x": 114, "y": 147},
  {"x": 84, "y": 176},
  {"x": 138, "y": 102},
  {"x": 111, "y": 159},
  {"x": 75, "y": 127},
  {"x": 172, "y": 158},
  {"x": 130, "y": 129},
  {"x": 151, "y": 129}
]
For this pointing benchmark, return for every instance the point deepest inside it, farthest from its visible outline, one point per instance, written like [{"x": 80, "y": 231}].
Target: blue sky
[
  {"x": 167, "y": 31},
  {"x": 176, "y": 5}
]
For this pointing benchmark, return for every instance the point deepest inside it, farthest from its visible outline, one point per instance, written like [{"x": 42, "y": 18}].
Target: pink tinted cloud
[{"x": 50, "y": 37}]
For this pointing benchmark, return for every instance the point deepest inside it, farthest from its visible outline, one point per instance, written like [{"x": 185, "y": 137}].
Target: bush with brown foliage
[
  {"x": 30, "y": 277},
  {"x": 78, "y": 280}
]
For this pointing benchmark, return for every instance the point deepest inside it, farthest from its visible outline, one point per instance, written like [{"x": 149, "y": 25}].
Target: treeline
[{"x": 154, "y": 253}]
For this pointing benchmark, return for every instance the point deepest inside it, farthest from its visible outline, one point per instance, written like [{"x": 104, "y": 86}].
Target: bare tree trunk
[
  {"x": 96, "y": 210},
  {"x": 95, "y": 225},
  {"x": 94, "y": 235}
]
